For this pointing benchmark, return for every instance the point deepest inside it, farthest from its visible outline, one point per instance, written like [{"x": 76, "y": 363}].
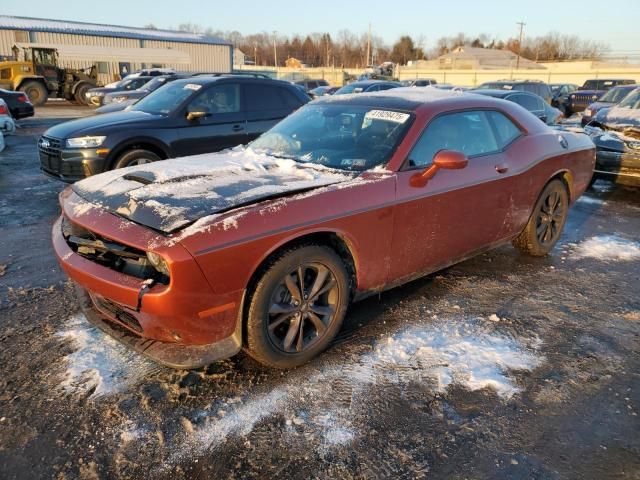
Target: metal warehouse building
[{"x": 115, "y": 49}]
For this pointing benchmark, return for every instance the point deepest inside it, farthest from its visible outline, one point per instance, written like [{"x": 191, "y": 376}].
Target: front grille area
[
  {"x": 116, "y": 311},
  {"x": 50, "y": 149},
  {"x": 583, "y": 99},
  {"x": 109, "y": 253}
]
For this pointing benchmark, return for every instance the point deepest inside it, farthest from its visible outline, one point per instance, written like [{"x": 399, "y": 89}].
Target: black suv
[
  {"x": 532, "y": 86},
  {"x": 591, "y": 91},
  {"x": 195, "y": 115}
]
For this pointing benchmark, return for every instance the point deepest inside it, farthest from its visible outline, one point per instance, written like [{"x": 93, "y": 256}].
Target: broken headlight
[{"x": 158, "y": 263}]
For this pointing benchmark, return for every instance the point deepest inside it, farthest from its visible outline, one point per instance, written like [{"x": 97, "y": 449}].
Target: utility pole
[
  {"x": 275, "y": 50},
  {"x": 368, "y": 47},
  {"x": 522, "y": 24}
]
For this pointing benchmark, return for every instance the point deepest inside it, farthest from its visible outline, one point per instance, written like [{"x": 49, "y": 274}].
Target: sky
[{"x": 590, "y": 19}]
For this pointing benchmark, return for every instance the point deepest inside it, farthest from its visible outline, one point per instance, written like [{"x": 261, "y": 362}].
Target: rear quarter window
[{"x": 506, "y": 131}]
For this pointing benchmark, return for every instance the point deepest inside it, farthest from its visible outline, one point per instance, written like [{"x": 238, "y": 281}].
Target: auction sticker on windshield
[
  {"x": 387, "y": 115},
  {"x": 192, "y": 86}
]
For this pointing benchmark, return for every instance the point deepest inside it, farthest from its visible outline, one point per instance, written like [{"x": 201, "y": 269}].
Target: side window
[
  {"x": 288, "y": 98},
  {"x": 505, "y": 129},
  {"x": 5, "y": 73},
  {"x": 527, "y": 101},
  {"x": 373, "y": 88},
  {"x": 386, "y": 87},
  {"x": 311, "y": 85},
  {"x": 263, "y": 97},
  {"x": 217, "y": 99},
  {"x": 466, "y": 132}
]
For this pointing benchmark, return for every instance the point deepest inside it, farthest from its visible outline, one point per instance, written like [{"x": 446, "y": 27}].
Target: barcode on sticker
[{"x": 387, "y": 115}]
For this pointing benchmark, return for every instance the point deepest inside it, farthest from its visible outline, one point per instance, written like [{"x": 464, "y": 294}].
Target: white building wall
[{"x": 204, "y": 57}]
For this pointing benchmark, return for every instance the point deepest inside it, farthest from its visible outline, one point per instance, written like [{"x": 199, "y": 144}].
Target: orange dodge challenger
[{"x": 264, "y": 247}]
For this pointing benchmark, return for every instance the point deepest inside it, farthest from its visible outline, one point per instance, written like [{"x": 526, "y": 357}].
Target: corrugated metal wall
[{"x": 204, "y": 57}]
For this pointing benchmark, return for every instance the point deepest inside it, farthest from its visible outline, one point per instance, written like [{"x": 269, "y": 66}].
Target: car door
[
  {"x": 457, "y": 212},
  {"x": 265, "y": 105},
  {"x": 224, "y": 125}
]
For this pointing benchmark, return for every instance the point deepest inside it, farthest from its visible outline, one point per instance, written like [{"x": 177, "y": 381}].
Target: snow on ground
[
  {"x": 591, "y": 200},
  {"x": 466, "y": 352},
  {"x": 607, "y": 247},
  {"x": 100, "y": 365}
]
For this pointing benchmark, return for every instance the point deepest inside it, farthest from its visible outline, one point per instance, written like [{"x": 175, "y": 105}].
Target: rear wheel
[
  {"x": 297, "y": 307},
  {"x": 36, "y": 92},
  {"x": 546, "y": 222},
  {"x": 135, "y": 157},
  {"x": 80, "y": 95}
]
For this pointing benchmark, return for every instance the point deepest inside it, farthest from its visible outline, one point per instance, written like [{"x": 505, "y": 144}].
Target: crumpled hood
[{"x": 171, "y": 194}]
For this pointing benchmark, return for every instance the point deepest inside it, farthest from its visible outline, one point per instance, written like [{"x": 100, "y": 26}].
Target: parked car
[
  {"x": 610, "y": 98},
  {"x": 368, "y": 86},
  {"x": 309, "y": 85},
  {"x": 591, "y": 91},
  {"x": 18, "y": 104},
  {"x": 95, "y": 96},
  {"x": 152, "y": 72},
  {"x": 533, "y": 103},
  {"x": 616, "y": 134},
  {"x": 190, "y": 260},
  {"x": 560, "y": 95},
  {"x": 151, "y": 86},
  {"x": 186, "y": 117},
  {"x": 532, "y": 86},
  {"x": 419, "y": 82},
  {"x": 7, "y": 125},
  {"x": 321, "y": 91}
]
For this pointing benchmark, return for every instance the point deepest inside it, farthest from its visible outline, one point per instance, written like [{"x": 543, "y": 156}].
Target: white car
[{"x": 7, "y": 124}]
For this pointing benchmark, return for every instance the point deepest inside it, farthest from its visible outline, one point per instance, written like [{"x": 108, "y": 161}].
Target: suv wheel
[{"x": 136, "y": 157}]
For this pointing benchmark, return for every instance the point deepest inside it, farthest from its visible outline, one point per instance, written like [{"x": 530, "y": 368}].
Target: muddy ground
[{"x": 502, "y": 367}]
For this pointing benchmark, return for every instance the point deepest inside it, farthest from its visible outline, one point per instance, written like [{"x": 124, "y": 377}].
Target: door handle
[
  {"x": 237, "y": 128},
  {"x": 502, "y": 168}
]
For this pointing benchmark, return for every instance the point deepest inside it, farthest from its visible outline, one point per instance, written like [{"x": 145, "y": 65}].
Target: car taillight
[
  {"x": 23, "y": 99},
  {"x": 3, "y": 110}
]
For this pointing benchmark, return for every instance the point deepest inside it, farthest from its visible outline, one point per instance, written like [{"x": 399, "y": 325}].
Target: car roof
[
  {"x": 513, "y": 82},
  {"x": 494, "y": 92},
  {"x": 401, "y": 98},
  {"x": 364, "y": 83},
  {"x": 206, "y": 79}
]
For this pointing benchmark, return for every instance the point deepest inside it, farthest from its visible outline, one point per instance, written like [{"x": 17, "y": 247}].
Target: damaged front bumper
[
  {"x": 181, "y": 323},
  {"x": 169, "y": 354}
]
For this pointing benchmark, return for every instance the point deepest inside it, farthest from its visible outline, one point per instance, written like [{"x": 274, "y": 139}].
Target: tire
[
  {"x": 135, "y": 157},
  {"x": 80, "y": 96},
  {"x": 36, "y": 92},
  {"x": 286, "y": 329},
  {"x": 546, "y": 221}
]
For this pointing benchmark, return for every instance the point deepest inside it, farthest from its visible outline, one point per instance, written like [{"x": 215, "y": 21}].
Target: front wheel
[
  {"x": 297, "y": 307},
  {"x": 546, "y": 222},
  {"x": 136, "y": 157},
  {"x": 36, "y": 92},
  {"x": 80, "y": 95}
]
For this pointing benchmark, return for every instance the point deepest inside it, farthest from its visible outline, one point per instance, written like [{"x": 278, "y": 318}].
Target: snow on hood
[
  {"x": 621, "y": 116},
  {"x": 171, "y": 194}
]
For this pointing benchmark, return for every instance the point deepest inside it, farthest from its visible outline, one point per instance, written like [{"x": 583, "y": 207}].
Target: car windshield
[
  {"x": 632, "y": 100},
  {"x": 347, "y": 137},
  {"x": 496, "y": 86},
  {"x": 165, "y": 100},
  {"x": 154, "y": 83},
  {"x": 615, "y": 95},
  {"x": 351, "y": 88}
]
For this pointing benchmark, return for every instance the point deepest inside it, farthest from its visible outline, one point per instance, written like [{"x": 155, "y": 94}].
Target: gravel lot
[{"x": 502, "y": 367}]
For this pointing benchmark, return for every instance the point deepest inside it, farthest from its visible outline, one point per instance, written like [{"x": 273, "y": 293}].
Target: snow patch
[
  {"x": 607, "y": 247},
  {"x": 465, "y": 352},
  {"x": 100, "y": 365},
  {"x": 591, "y": 200}
]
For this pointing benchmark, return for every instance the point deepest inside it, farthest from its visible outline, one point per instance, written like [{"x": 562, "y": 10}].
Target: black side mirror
[{"x": 198, "y": 114}]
